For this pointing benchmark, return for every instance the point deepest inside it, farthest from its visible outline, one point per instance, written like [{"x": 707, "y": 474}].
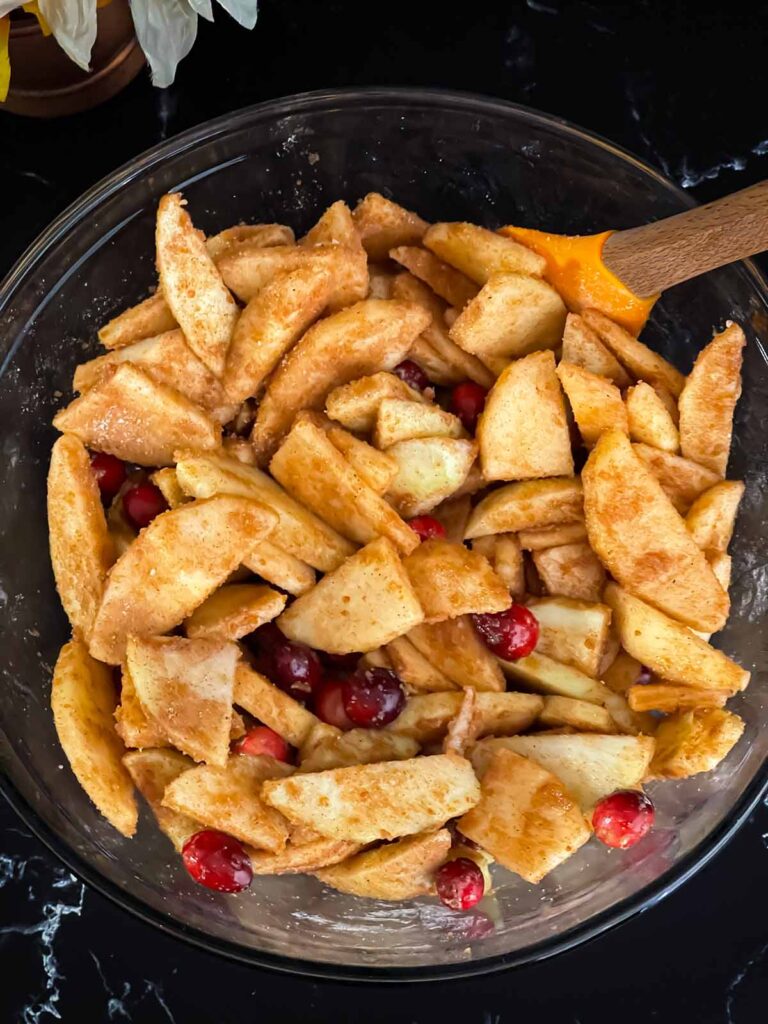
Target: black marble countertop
[{"x": 680, "y": 84}]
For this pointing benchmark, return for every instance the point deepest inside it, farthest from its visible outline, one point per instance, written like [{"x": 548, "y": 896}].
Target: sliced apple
[
  {"x": 450, "y": 580},
  {"x": 670, "y": 649},
  {"x": 552, "y": 536},
  {"x": 457, "y": 651},
  {"x": 709, "y": 398},
  {"x": 511, "y": 316},
  {"x": 356, "y": 405},
  {"x": 266, "y": 702},
  {"x": 382, "y": 225},
  {"x": 368, "y": 802},
  {"x": 642, "y": 362},
  {"x": 589, "y": 766},
  {"x": 130, "y": 415},
  {"x": 426, "y": 716},
  {"x": 430, "y": 469},
  {"x": 81, "y": 548},
  {"x": 712, "y": 516},
  {"x": 577, "y": 714},
  {"x": 298, "y": 531},
  {"x": 185, "y": 687},
  {"x": 690, "y": 742},
  {"x": 443, "y": 279},
  {"x": 641, "y": 539},
  {"x": 527, "y": 392},
  {"x": 279, "y": 567},
  {"x": 364, "y": 604},
  {"x": 528, "y": 505},
  {"x": 313, "y": 470},
  {"x": 582, "y": 347},
  {"x": 525, "y": 818},
  {"x": 480, "y": 253},
  {"x": 573, "y": 632},
  {"x": 649, "y": 419},
  {"x": 271, "y": 323},
  {"x": 192, "y": 286},
  {"x": 335, "y": 226},
  {"x": 144, "y": 320},
  {"x": 683, "y": 481},
  {"x": 227, "y": 798},
  {"x": 570, "y": 570},
  {"x": 369, "y": 336},
  {"x": 416, "y": 671},
  {"x": 397, "y": 420},
  {"x": 375, "y": 468},
  {"x": 152, "y": 771},
  {"x": 234, "y": 611},
  {"x": 596, "y": 402},
  {"x": 401, "y": 870},
  {"x": 544, "y": 674},
  {"x": 358, "y": 746},
  {"x": 83, "y": 700},
  {"x": 172, "y": 566}
]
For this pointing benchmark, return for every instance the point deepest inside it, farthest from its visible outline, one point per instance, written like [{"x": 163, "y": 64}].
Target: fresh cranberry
[
  {"x": 427, "y": 527},
  {"x": 296, "y": 669},
  {"x": 412, "y": 374},
  {"x": 510, "y": 634},
  {"x": 373, "y": 697},
  {"x": 623, "y": 818},
  {"x": 267, "y": 636},
  {"x": 467, "y": 402},
  {"x": 328, "y": 703},
  {"x": 217, "y": 861},
  {"x": 142, "y": 503},
  {"x": 263, "y": 740},
  {"x": 460, "y": 883},
  {"x": 110, "y": 473},
  {"x": 342, "y": 662},
  {"x": 643, "y": 676}
]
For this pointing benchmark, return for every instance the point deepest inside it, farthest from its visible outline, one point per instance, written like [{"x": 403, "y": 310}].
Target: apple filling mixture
[{"x": 343, "y": 601}]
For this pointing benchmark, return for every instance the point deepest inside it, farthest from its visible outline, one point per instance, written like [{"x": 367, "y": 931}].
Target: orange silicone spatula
[{"x": 622, "y": 273}]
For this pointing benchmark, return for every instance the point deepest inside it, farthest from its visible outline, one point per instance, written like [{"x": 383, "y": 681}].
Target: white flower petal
[
  {"x": 243, "y": 11},
  {"x": 166, "y": 30},
  {"x": 73, "y": 23},
  {"x": 203, "y": 7}
]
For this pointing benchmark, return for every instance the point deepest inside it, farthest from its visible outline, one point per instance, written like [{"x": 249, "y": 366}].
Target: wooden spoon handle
[{"x": 651, "y": 258}]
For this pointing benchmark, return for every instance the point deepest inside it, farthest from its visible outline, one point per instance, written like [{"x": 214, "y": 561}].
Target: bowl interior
[{"x": 450, "y": 158}]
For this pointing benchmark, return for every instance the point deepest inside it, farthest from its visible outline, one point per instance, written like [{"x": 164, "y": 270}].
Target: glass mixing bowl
[{"x": 451, "y": 157}]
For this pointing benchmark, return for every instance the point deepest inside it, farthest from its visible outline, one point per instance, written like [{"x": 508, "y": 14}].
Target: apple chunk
[
  {"x": 430, "y": 469},
  {"x": 172, "y": 566},
  {"x": 364, "y": 604},
  {"x": 523, "y": 432},
  {"x": 451, "y": 580},
  {"x": 642, "y": 540},
  {"x": 396, "y": 871},
  {"x": 525, "y": 819},
  {"x": 368, "y": 802}
]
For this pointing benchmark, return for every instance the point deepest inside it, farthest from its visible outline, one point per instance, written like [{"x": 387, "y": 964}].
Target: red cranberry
[
  {"x": 412, "y": 374},
  {"x": 267, "y": 636},
  {"x": 373, "y": 697},
  {"x": 142, "y": 503},
  {"x": 110, "y": 473},
  {"x": 328, "y": 703},
  {"x": 263, "y": 740},
  {"x": 510, "y": 634},
  {"x": 217, "y": 861},
  {"x": 467, "y": 402},
  {"x": 623, "y": 818},
  {"x": 460, "y": 883},
  {"x": 427, "y": 527},
  {"x": 296, "y": 669},
  {"x": 342, "y": 662}
]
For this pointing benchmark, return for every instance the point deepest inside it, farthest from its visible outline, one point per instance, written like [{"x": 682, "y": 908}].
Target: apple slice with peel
[
  {"x": 368, "y": 802},
  {"x": 396, "y": 871},
  {"x": 590, "y": 766},
  {"x": 525, "y": 819}
]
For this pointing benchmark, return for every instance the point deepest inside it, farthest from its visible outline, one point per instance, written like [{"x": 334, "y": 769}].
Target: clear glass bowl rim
[{"x": 668, "y": 882}]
